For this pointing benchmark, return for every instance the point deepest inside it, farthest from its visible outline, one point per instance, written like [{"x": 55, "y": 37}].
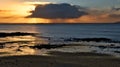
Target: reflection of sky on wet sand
[{"x": 19, "y": 45}]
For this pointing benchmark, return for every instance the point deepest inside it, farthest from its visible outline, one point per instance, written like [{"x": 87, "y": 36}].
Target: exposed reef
[{"x": 3, "y": 34}]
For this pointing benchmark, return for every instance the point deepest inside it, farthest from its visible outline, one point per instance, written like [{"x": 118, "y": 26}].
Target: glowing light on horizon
[{"x": 37, "y": 3}]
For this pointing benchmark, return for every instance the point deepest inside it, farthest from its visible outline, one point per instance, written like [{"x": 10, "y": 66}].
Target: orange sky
[{"x": 15, "y": 12}]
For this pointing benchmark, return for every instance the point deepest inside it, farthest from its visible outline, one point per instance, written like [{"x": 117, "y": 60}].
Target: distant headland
[{"x": 117, "y": 22}]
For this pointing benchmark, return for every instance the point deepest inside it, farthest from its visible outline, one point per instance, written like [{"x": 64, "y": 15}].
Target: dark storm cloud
[
  {"x": 116, "y": 9},
  {"x": 61, "y": 11}
]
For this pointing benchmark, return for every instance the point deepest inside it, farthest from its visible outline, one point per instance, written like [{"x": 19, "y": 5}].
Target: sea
[{"x": 56, "y": 31}]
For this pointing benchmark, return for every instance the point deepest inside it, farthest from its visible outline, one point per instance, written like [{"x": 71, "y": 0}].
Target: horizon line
[{"x": 58, "y": 23}]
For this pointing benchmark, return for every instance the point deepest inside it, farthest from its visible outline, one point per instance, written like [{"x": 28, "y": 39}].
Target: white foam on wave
[{"x": 91, "y": 47}]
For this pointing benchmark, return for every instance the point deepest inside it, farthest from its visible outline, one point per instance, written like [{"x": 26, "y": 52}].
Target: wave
[
  {"x": 66, "y": 39},
  {"x": 92, "y": 39},
  {"x": 4, "y": 34}
]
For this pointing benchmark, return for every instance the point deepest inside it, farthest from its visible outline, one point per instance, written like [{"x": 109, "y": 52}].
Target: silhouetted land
[{"x": 117, "y": 22}]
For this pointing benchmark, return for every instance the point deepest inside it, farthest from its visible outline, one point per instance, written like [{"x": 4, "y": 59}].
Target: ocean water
[
  {"x": 20, "y": 45},
  {"x": 111, "y": 31}
]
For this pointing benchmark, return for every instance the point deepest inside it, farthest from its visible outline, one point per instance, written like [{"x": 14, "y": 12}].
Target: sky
[{"x": 59, "y": 11}]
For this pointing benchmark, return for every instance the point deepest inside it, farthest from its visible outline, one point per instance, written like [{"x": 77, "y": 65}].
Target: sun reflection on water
[{"x": 19, "y": 45}]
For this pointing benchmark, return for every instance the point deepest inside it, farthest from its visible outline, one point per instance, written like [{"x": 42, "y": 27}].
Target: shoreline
[{"x": 61, "y": 59}]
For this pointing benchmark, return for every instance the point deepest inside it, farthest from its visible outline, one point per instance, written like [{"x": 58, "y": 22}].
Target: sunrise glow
[
  {"x": 20, "y": 10},
  {"x": 37, "y": 3}
]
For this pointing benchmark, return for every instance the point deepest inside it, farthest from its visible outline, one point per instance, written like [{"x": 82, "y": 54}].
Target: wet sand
[{"x": 60, "y": 59}]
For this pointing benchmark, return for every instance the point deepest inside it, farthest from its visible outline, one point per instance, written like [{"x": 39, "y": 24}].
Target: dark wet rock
[
  {"x": 103, "y": 47},
  {"x": 2, "y": 34},
  {"x": 46, "y": 46},
  {"x": 88, "y": 39},
  {"x": 4, "y": 53},
  {"x": 58, "y": 53},
  {"x": 91, "y": 39},
  {"x": 117, "y": 51},
  {"x": 118, "y": 22},
  {"x": 116, "y": 47},
  {"x": 19, "y": 50},
  {"x": 2, "y": 45}
]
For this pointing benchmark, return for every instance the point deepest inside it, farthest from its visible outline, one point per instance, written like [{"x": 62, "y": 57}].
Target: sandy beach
[{"x": 61, "y": 59}]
